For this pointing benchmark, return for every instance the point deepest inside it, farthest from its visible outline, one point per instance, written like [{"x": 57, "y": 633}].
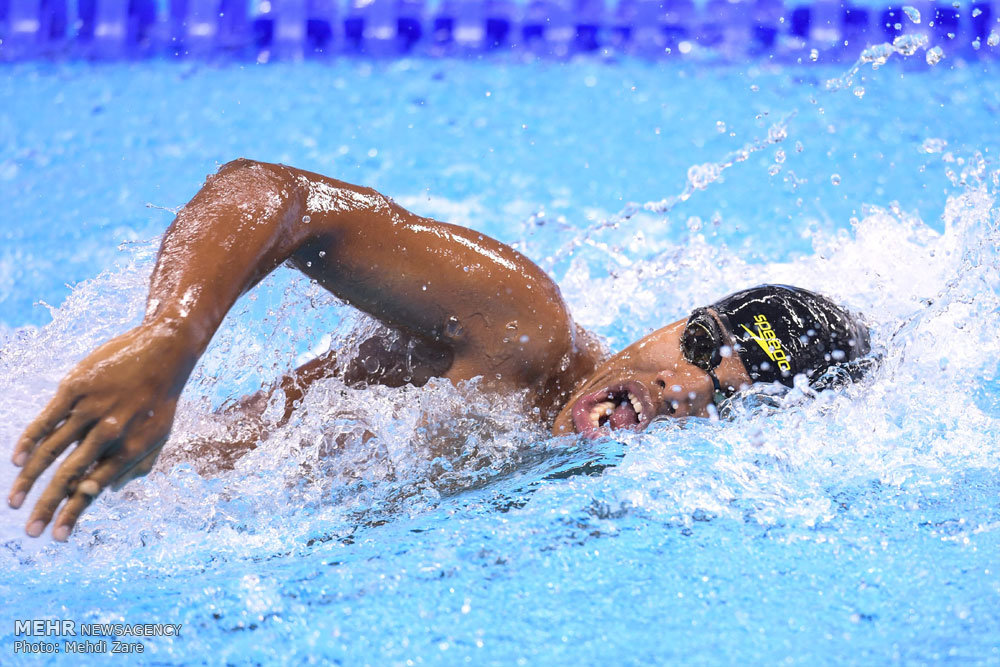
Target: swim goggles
[{"x": 701, "y": 345}]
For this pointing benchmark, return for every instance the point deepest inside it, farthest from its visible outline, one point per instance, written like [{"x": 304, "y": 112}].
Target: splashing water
[
  {"x": 443, "y": 524},
  {"x": 934, "y": 55},
  {"x": 878, "y": 54}
]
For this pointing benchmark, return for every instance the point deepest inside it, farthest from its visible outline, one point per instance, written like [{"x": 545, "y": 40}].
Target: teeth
[
  {"x": 602, "y": 409},
  {"x": 636, "y": 404}
]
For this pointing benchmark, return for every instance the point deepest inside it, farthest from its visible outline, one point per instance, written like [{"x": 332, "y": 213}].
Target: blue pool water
[{"x": 858, "y": 526}]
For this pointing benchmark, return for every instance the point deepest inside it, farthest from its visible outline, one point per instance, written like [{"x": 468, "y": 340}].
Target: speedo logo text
[{"x": 769, "y": 342}]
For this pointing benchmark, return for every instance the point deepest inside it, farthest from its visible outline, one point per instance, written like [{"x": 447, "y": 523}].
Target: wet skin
[
  {"x": 465, "y": 306},
  {"x": 648, "y": 379}
]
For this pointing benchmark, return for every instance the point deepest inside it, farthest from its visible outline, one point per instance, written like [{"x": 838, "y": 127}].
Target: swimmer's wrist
[{"x": 183, "y": 336}]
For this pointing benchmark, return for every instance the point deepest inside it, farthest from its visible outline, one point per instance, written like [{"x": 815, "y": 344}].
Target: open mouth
[{"x": 625, "y": 405}]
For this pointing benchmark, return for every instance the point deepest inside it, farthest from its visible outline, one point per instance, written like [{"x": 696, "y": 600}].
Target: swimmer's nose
[{"x": 677, "y": 397}]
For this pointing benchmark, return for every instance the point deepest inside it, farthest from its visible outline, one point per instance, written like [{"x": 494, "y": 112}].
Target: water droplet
[
  {"x": 907, "y": 45},
  {"x": 777, "y": 133},
  {"x": 993, "y": 39},
  {"x": 859, "y": 92},
  {"x": 371, "y": 364},
  {"x": 976, "y": 12},
  {"x": 835, "y": 179},
  {"x": 523, "y": 339},
  {"x": 933, "y": 145},
  {"x": 976, "y": 43},
  {"x": 779, "y": 156},
  {"x": 877, "y": 55},
  {"x": 934, "y": 55},
  {"x": 814, "y": 55},
  {"x": 754, "y": 88},
  {"x": 322, "y": 253},
  {"x": 912, "y": 13},
  {"x": 306, "y": 219},
  {"x": 512, "y": 325},
  {"x": 453, "y": 328},
  {"x": 700, "y": 176},
  {"x": 774, "y": 169},
  {"x": 799, "y": 147},
  {"x": 720, "y": 126}
]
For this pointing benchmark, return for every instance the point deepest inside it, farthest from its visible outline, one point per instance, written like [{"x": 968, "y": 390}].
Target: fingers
[
  {"x": 93, "y": 445},
  {"x": 57, "y": 410},
  {"x": 86, "y": 490},
  {"x": 68, "y": 433},
  {"x": 140, "y": 469}
]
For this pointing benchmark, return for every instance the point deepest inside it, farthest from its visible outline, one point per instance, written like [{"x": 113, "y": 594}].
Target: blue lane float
[{"x": 290, "y": 29}]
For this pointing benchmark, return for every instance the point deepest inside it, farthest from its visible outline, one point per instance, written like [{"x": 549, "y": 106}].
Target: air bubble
[
  {"x": 912, "y": 13},
  {"x": 814, "y": 55},
  {"x": 306, "y": 219},
  {"x": 934, "y": 55},
  {"x": 835, "y": 179},
  {"x": 859, "y": 92},
  {"x": 720, "y": 127},
  {"x": 993, "y": 39}
]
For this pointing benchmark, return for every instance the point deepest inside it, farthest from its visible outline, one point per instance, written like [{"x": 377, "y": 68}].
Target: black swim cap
[{"x": 782, "y": 331}]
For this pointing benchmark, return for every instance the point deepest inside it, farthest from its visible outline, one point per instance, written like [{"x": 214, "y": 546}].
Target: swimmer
[{"x": 464, "y": 305}]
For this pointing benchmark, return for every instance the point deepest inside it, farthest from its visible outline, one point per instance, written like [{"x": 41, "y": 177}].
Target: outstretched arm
[{"x": 482, "y": 306}]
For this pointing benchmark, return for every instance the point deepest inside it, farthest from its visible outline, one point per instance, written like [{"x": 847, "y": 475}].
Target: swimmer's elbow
[
  {"x": 261, "y": 187},
  {"x": 248, "y": 166}
]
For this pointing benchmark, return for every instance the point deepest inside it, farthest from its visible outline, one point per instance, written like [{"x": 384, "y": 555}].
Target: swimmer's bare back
[{"x": 472, "y": 306}]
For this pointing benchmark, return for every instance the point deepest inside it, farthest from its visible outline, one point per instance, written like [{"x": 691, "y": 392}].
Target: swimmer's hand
[{"x": 118, "y": 404}]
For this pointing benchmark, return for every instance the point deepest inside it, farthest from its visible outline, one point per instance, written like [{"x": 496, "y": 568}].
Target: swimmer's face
[{"x": 647, "y": 379}]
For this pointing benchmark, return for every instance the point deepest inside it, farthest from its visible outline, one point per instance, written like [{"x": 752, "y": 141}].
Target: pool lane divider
[{"x": 723, "y": 30}]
